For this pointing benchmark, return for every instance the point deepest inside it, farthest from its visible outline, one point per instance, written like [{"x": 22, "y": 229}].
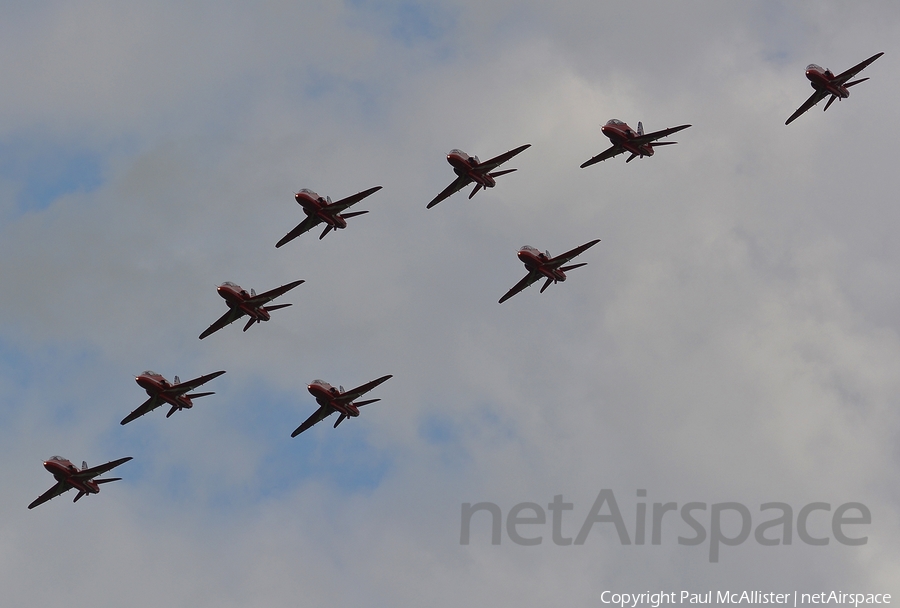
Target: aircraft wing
[
  {"x": 305, "y": 226},
  {"x": 359, "y": 391},
  {"x": 100, "y": 469},
  {"x": 231, "y": 316},
  {"x": 147, "y": 406},
  {"x": 338, "y": 206},
  {"x": 845, "y": 76},
  {"x": 458, "y": 184},
  {"x": 53, "y": 492},
  {"x": 183, "y": 387},
  {"x": 651, "y": 137},
  {"x": 270, "y": 295},
  {"x": 608, "y": 153},
  {"x": 493, "y": 163},
  {"x": 562, "y": 258},
  {"x": 530, "y": 278},
  {"x": 815, "y": 98},
  {"x": 319, "y": 415}
]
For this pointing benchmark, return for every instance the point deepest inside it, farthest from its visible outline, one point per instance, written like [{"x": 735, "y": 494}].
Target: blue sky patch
[{"x": 43, "y": 172}]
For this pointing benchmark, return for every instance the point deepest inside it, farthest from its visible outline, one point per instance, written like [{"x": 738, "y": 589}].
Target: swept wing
[
  {"x": 530, "y": 278},
  {"x": 231, "y": 316},
  {"x": 562, "y": 258},
  {"x": 305, "y": 226},
  {"x": 651, "y": 137},
  {"x": 493, "y": 163},
  {"x": 268, "y": 296},
  {"x": 458, "y": 184},
  {"x": 53, "y": 492},
  {"x": 359, "y": 391},
  {"x": 843, "y": 77},
  {"x": 320, "y": 414},
  {"x": 608, "y": 153}
]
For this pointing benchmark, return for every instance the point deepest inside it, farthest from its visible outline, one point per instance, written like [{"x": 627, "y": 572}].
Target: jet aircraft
[
  {"x": 825, "y": 83},
  {"x": 161, "y": 391},
  {"x": 637, "y": 143},
  {"x": 241, "y": 303},
  {"x": 331, "y": 399},
  {"x": 541, "y": 265},
  {"x": 319, "y": 209},
  {"x": 469, "y": 169},
  {"x": 69, "y": 476}
]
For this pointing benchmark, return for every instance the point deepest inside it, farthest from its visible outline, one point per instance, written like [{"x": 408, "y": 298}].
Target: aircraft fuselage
[
  {"x": 325, "y": 394},
  {"x": 536, "y": 261},
  {"x": 64, "y": 470},
  {"x": 821, "y": 80},
  {"x": 236, "y": 297},
  {"x": 620, "y": 134},
  {"x": 155, "y": 385},
  {"x": 317, "y": 206},
  {"x": 464, "y": 166}
]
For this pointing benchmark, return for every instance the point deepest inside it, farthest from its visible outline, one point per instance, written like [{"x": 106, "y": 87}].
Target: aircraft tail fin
[
  {"x": 252, "y": 293},
  {"x": 98, "y": 481},
  {"x": 84, "y": 465},
  {"x": 177, "y": 380},
  {"x": 362, "y": 403},
  {"x": 354, "y": 214},
  {"x": 546, "y": 285},
  {"x": 850, "y": 84},
  {"x": 195, "y": 395},
  {"x": 568, "y": 268},
  {"x": 499, "y": 173},
  {"x": 640, "y": 130},
  {"x": 340, "y": 420}
]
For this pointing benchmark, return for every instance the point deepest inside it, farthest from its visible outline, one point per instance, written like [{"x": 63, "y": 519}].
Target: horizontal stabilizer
[
  {"x": 354, "y": 214},
  {"x": 546, "y": 285},
  {"x": 107, "y": 480},
  {"x": 568, "y": 268},
  {"x": 80, "y": 494},
  {"x": 631, "y": 158},
  {"x": 850, "y": 84},
  {"x": 195, "y": 395},
  {"x": 499, "y": 173},
  {"x": 340, "y": 420},
  {"x": 276, "y": 307},
  {"x": 362, "y": 403},
  {"x": 174, "y": 409},
  {"x": 663, "y": 143}
]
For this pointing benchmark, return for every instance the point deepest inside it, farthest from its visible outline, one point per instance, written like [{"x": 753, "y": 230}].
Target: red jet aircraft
[
  {"x": 161, "y": 391},
  {"x": 624, "y": 139},
  {"x": 541, "y": 265},
  {"x": 331, "y": 399},
  {"x": 825, "y": 83},
  {"x": 241, "y": 303},
  {"x": 469, "y": 169},
  {"x": 68, "y": 476},
  {"x": 318, "y": 210}
]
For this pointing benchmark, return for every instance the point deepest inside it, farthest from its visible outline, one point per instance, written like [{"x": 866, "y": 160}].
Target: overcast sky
[{"x": 735, "y": 336}]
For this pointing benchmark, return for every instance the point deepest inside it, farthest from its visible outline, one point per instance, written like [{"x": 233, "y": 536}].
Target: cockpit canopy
[
  {"x": 614, "y": 121},
  {"x": 309, "y": 192},
  {"x": 149, "y": 373},
  {"x": 530, "y": 249},
  {"x": 58, "y": 459},
  {"x": 230, "y": 284},
  {"x": 320, "y": 382},
  {"x": 813, "y": 66},
  {"x": 459, "y": 152}
]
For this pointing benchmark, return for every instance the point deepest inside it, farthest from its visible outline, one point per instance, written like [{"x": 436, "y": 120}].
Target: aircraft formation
[{"x": 321, "y": 210}]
